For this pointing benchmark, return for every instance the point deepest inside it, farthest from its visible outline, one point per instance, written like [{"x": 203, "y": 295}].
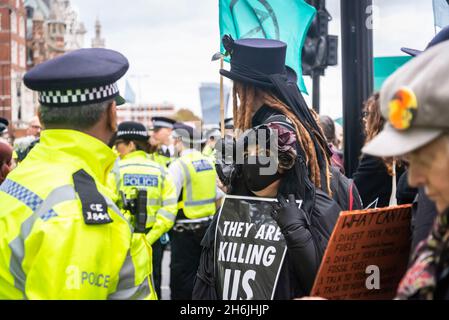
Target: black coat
[{"x": 373, "y": 181}]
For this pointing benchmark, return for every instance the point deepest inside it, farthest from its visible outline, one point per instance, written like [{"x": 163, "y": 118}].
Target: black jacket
[{"x": 373, "y": 181}]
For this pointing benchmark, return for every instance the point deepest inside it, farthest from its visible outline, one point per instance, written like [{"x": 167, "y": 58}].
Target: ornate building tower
[{"x": 98, "y": 41}]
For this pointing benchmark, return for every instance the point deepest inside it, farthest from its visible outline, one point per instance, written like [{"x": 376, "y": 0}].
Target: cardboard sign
[
  {"x": 367, "y": 255},
  {"x": 249, "y": 249}
]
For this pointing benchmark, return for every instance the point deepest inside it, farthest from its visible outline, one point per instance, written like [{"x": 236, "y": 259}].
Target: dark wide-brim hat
[
  {"x": 131, "y": 130},
  {"x": 253, "y": 61}
]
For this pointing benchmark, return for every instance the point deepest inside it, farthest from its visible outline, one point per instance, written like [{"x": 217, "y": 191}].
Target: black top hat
[
  {"x": 441, "y": 36},
  {"x": 4, "y": 123},
  {"x": 132, "y": 131},
  {"x": 253, "y": 61},
  {"x": 162, "y": 122},
  {"x": 187, "y": 134}
]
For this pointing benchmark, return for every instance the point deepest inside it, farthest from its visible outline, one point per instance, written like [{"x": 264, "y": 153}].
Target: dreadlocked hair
[
  {"x": 243, "y": 114},
  {"x": 309, "y": 139}
]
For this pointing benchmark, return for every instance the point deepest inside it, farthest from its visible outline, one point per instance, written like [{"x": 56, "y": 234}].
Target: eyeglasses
[{"x": 365, "y": 114}]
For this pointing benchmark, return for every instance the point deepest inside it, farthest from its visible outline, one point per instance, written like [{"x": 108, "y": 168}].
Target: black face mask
[{"x": 255, "y": 180}]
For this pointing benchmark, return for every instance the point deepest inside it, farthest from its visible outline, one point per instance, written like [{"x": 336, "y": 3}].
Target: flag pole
[{"x": 222, "y": 108}]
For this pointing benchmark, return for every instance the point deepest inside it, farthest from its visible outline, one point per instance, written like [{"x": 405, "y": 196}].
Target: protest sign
[
  {"x": 249, "y": 249},
  {"x": 367, "y": 255}
]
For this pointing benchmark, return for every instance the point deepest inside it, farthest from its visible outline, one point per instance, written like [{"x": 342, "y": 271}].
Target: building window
[
  {"x": 13, "y": 22},
  {"x": 21, "y": 27},
  {"x": 22, "y": 56},
  {"x": 30, "y": 12},
  {"x": 14, "y": 52}
]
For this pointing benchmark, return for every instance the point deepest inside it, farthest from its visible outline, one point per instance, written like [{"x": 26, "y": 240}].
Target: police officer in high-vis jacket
[
  {"x": 198, "y": 195},
  {"x": 160, "y": 140},
  {"x": 61, "y": 237},
  {"x": 138, "y": 171}
]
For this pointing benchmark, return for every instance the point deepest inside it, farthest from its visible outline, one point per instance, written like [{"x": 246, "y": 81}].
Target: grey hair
[{"x": 79, "y": 117}]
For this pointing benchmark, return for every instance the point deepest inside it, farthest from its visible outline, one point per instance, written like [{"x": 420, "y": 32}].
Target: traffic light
[{"x": 320, "y": 49}]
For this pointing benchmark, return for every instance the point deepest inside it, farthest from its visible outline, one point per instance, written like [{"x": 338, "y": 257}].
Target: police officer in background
[
  {"x": 138, "y": 171},
  {"x": 61, "y": 237},
  {"x": 229, "y": 127},
  {"x": 195, "y": 179},
  {"x": 212, "y": 136},
  {"x": 160, "y": 140}
]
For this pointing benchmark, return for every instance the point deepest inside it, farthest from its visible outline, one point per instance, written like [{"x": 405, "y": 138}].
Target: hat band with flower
[{"x": 402, "y": 109}]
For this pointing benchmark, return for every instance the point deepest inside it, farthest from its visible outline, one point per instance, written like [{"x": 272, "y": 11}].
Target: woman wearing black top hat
[{"x": 268, "y": 95}]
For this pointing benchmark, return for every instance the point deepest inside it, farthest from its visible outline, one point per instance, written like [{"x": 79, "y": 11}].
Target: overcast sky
[{"x": 170, "y": 43}]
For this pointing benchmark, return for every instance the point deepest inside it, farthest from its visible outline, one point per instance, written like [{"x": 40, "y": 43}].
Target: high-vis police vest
[
  {"x": 161, "y": 158},
  {"x": 61, "y": 237},
  {"x": 210, "y": 153},
  {"x": 138, "y": 171},
  {"x": 199, "y": 187}
]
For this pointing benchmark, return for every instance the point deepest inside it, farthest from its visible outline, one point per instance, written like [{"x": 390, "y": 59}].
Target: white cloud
[{"x": 173, "y": 41}]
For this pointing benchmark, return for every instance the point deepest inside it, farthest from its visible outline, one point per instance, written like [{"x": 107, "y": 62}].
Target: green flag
[
  {"x": 385, "y": 67},
  {"x": 284, "y": 20}
]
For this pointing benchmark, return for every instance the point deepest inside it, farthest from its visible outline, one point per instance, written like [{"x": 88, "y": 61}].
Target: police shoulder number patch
[
  {"x": 95, "y": 208},
  {"x": 202, "y": 165}
]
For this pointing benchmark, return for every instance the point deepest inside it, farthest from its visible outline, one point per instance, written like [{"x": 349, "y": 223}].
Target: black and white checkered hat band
[
  {"x": 73, "y": 97},
  {"x": 130, "y": 133}
]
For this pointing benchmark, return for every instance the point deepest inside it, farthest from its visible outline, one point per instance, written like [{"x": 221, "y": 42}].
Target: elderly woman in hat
[
  {"x": 266, "y": 97},
  {"x": 416, "y": 110}
]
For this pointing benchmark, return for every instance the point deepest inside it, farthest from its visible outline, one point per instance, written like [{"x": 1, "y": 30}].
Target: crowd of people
[{"x": 89, "y": 205}]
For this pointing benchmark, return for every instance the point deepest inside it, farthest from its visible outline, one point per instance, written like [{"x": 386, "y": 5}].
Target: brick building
[
  {"x": 14, "y": 97},
  {"x": 31, "y": 32}
]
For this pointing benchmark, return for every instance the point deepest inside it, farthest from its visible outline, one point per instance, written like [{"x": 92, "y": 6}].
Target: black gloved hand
[
  {"x": 288, "y": 215},
  {"x": 225, "y": 161}
]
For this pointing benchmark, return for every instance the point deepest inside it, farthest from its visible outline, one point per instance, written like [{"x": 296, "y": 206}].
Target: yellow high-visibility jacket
[
  {"x": 199, "y": 185},
  {"x": 136, "y": 170},
  {"x": 57, "y": 239}
]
